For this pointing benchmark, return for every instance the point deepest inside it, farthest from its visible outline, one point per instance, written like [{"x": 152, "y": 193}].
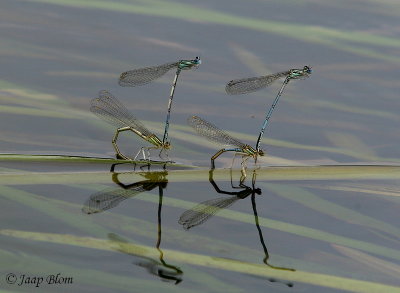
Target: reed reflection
[
  {"x": 205, "y": 210},
  {"x": 111, "y": 197}
]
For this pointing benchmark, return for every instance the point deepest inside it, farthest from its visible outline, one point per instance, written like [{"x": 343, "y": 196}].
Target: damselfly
[
  {"x": 146, "y": 75},
  {"x": 111, "y": 110},
  {"x": 214, "y": 134},
  {"x": 252, "y": 84}
]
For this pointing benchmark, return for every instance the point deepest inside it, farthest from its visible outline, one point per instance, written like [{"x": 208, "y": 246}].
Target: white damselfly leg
[{"x": 143, "y": 154}]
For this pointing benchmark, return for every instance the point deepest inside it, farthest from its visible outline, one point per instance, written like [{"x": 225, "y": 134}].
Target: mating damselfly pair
[
  {"x": 243, "y": 86},
  {"x": 111, "y": 110}
]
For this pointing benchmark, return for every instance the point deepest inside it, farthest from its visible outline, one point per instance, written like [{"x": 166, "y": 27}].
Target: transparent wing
[
  {"x": 111, "y": 110},
  {"x": 203, "y": 211},
  {"x": 108, "y": 199},
  {"x": 212, "y": 132},
  {"x": 252, "y": 84},
  {"x": 145, "y": 75}
]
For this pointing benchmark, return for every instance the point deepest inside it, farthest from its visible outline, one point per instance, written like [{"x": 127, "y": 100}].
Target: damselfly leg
[{"x": 142, "y": 150}]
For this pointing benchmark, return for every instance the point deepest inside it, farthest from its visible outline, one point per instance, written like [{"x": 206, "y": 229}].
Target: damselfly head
[
  {"x": 167, "y": 145},
  {"x": 123, "y": 75},
  {"x": 197, "y": 60},
  {"x": 307, "y": 69},
  {"x": 260, "y": 153},
  {"x": 257, "y": 191}
]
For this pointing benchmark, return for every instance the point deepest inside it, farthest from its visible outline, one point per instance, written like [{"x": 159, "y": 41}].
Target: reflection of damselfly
[
  {"x": 252, "y": 84},
  {"x": 110, "y": 198},
  {"x": 205, "y": 210},
  {"x": 111, "y": 110},
  {"x": 146, "y": 75},
  {"x": 214, "y": 134}
]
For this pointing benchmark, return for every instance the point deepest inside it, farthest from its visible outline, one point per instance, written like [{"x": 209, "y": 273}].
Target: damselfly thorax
[
  {"x": 300, "y": 73},
  {"x": 189, "y": 64}
]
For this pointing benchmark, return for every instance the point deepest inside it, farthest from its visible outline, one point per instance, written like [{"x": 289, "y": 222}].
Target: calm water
[
  {"x": 333, "y": 228},
  {"x": 196, "y": 230}
]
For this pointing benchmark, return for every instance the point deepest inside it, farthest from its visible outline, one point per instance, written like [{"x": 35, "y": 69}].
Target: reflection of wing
[
  {"x": 108, "y": 199},
  {"x": 145, "y": 75},
  {"x": 203, "y": 211}
]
